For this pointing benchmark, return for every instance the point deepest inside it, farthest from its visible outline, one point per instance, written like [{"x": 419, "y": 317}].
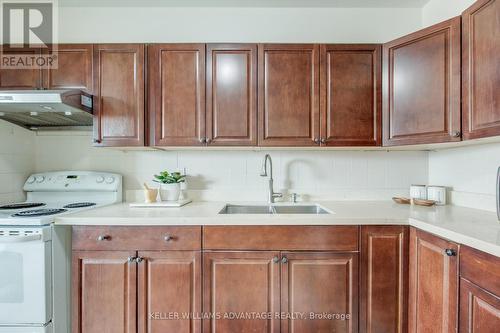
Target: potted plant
[{"x": 169, "y": 185}]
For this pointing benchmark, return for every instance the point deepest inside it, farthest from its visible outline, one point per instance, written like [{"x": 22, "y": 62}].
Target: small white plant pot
[{"x": 170, "y": 192}]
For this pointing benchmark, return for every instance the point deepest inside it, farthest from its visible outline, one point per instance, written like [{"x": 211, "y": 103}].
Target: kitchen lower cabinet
[
  {"x": 323, "y": 287},
  {"x": 433, "y": 286},
  {"x": 383, "y": 279},
  {"x": 104, "y": 292},
  {"x": 481, "y": 70},
  {"x": 421, "y": 86},
  {"x": 241, "y": 284},
  {"x": 119, "y": 95},
  {"x": 169, "y": 292}
]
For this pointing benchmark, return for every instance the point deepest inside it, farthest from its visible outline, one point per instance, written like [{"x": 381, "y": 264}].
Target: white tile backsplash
[{"x": 17, "y": 161}]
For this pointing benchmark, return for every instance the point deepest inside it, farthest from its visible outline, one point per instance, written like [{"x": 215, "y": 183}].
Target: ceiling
[{"x": 247, "y": 3}]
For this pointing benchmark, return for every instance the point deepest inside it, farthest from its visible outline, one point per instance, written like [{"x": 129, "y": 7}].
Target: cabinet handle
[
  {"x": 450, "y": 252},
  {"x": 276, "y": 259},
  {"x": 101, "y": 238},
  {"x": 139, "y": 260},
  {"x": 317, "y": 141},
  {"x": 208, "y": 140},
  {"x": 131, "y": 259},
  {"x": 284, "y": 260},
  {"x": 456, "y": 134},
  {"x": 203, "y": 140},
  {"x": 168, "y": 238},
  {"x": 323, "y": 141}
]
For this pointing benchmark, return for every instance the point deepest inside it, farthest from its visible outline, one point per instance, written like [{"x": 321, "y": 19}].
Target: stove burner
[
  {"x": 22, "y": 205},
  {"x": 80, "y": 205},
  {"x": 39, "y": 212}
]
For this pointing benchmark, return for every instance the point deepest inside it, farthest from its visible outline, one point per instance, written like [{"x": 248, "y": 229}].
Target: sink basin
[{"x": 274, "y": 209}]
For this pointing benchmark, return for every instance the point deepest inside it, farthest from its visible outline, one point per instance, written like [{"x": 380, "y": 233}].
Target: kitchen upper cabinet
[
  {"x": 74, "y": 68},
  {"x": 169, "y": 283},
  {"x": 119, "y": 94},
  {"x": 289, "y": 95},
  {"x": 177, "y": 94},
  {"x": 421, "y": 88},
  {"x": 241, "y": 282},
  {"x": 351, "y": 99},
  {"x": 231, "y": 101},
  {"x": 383, "y": 281},
  {"x": 433, "y": 286},
  {"x": 19, "y": 78},
  {"x": 104, "y": 292},
  {"x": 481, "y": 69},
  {"x": 320, "y": 283}
]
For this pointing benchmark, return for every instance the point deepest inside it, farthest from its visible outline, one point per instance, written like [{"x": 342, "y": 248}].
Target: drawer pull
[
  {"x": 168, "y": 238},
  {"x": 450, "y": 252},
  {"x": 101, "y": 238}
]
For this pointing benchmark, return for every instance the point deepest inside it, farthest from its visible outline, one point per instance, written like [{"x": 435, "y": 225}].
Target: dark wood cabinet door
[
  {"x": 320, "y": 283},
  {"x": 384, "y": 276},
  {"x": 288, "y": 95},
  {"x": 177, "y": 94},
  {"x": 104, "y": 292},
  {"x": 241, "y": 282},
  {"x": 169, "y": 289},
  {"x": 481, "y": 69},
  {"x": 421, "y": 102},
  {"x": 231, "y": 94},
  {"x": 74, "y": 68},
  {"x": 433, "y": 287},
  {"x": 20, "y": 78},
  {"x": 119, "y": 94},
  {"x": 351, "y": 96},
  {"x": 479, "y": 309}
]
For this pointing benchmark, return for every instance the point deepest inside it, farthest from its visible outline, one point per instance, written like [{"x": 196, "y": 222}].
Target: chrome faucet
[{"x": 272, "y": 194}]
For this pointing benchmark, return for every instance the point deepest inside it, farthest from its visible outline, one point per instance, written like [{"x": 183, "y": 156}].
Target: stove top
[
  {"x": 22, "y": 205},
  {"x": 39, "y": 212}
]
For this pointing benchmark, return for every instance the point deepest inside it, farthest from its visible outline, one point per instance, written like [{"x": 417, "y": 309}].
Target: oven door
[{"x": 25, "y": 276}]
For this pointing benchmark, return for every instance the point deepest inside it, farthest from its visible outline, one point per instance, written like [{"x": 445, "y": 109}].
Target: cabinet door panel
[
  {"x": 232, "y": 94},
  {"x": 479, "y": 309},
  {"x": 433, "y": 302},
  {"x": 119, "y": 105},
  {"x": 320, "y": 283},
  {"x": 241, "y": 282},
  {"x": 104, "y": 292},
  {"x": 481, "y": 69},
  {"x": 177, "y": 94},
  {"x": 288, "y": 95},
  {"x": 351, "y": 95},
  {"x": 422, "y": 86},
  {"x": 74, "y": 68},
  {"x": 384, "y": 276},
  {"x": 169, "y": 283},
  {"x": 20, "y": 78}
]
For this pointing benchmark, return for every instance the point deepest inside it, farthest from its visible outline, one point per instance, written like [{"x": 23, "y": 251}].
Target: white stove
[
  {"x": 52, "y": 194},
  {"x": 35, "y": 255}
]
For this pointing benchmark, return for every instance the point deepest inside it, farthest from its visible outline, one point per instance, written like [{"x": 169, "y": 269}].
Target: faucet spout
[{"x": 272, "y": 195}]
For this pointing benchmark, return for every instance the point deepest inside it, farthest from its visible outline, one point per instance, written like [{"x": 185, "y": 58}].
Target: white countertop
[{"x": 475, "y": 228}]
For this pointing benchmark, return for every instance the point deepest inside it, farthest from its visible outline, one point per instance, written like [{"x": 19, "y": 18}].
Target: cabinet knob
[
  {"x": 317, "y": 141},
  {"x": 284, "y": 260},
  {"x": 97, "y": 141},
  {"x": 131, "y": 259},
  {"x": 139, "y": 260},
  {"x": 323, "y": 140},
  {"x": 450, "y": 252},
  {"x": 276, "y": 259},
  {"x": 101, "y": 238},
  {"x": 203, "y": 140},
  {"x": 168, "y": 238},
  {"x": 208, "y": 140},
  {"x": 456, "y": 134}
]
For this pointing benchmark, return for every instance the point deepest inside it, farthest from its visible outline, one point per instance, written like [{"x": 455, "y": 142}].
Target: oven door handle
[{"x": 19, "y": 239}]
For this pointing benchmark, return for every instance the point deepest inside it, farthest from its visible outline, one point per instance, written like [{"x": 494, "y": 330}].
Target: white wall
[
  {"x": 436, "y": 11},
  {"x": 234, "y": 175},
  {"x": 88, "y": 24},
  {"x": 16, "y": 161}
]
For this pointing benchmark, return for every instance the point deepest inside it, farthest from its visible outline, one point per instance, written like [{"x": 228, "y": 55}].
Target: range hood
[{"x": 47, "y": 109}]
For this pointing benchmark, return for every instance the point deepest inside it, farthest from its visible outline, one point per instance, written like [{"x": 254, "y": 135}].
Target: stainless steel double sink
[{"x": 313, "y": 209}]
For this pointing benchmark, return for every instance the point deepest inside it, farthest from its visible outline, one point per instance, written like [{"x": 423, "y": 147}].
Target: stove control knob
[
  {"x": 99, "y": 179},
  {"x": 40, "y": 179},
  {"x": 110, "y": 180},
  {"x": 31, "y": 180}
]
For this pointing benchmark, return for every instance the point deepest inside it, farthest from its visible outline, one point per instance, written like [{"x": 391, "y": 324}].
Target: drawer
[
  {"x": 281, "y": 238},
  {"x": 480, "y": 268},
  {"x": 136, "y": 238}
]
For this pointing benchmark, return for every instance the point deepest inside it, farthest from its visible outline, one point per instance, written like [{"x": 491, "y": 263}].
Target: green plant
[{"x": 169, "y": 178}]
